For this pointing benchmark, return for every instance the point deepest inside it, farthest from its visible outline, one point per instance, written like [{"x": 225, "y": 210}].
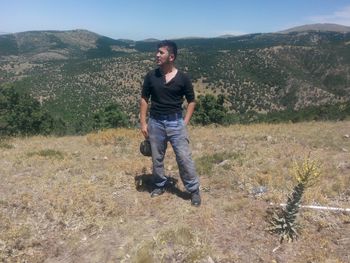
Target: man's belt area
[{"x": 167, "y": 117}]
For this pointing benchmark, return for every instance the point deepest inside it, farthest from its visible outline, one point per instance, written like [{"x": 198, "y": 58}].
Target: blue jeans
[{"x": 174, "y": 131}]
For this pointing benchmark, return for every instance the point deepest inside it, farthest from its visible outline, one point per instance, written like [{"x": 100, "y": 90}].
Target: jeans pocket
[
  {"x": 177, "y": 124},
  {"x": 150, "y": 124}
]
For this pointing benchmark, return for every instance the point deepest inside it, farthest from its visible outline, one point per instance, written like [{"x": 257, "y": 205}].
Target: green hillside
[{"x": 75, "y": 73}]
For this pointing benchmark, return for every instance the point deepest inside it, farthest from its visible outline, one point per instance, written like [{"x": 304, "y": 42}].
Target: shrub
[
  {"x": 210, "y": 109},
  {"x": 283, "y": 223},
  {"x": 110, "y": 117}
]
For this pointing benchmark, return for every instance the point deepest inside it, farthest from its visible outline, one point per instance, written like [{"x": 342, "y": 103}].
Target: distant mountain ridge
[
  {"x": 88, "y": 38},
  {"x": 75, "y": 43},
  {"x": 57, "y": 45},
  {"x": 321, "y": 27},
  {"x": 150, "y": 40},
  {"x": 61, "y": 43},
  {"x": 226, "y": 36}
]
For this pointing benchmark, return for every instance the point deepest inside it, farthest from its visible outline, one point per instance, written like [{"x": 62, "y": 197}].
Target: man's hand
[{"x": 144, "y": 130}]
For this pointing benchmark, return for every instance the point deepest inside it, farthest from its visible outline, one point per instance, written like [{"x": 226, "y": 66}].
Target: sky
[{"x": 142, "y": 19}]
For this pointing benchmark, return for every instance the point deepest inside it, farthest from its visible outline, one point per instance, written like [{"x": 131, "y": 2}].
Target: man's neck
[{"x": 168, "y": 68}]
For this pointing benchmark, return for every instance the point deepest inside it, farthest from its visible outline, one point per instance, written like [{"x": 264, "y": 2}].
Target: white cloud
[{"x": 341, "y": 17}]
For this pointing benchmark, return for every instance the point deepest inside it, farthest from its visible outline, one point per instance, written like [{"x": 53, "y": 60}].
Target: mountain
[
  {"x": 326, "y": 27},
  {"x": 58, "y": 45},
  {"x": 75, "y": 73},
  {"x": 151, "y": 40},
  {"x": 226, "y": 36},
  {"x": 53, "y": 44},
  {"x": 188, "y": 38}
]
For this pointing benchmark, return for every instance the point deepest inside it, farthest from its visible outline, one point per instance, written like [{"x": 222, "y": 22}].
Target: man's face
[{"x": 163, "y": 56}]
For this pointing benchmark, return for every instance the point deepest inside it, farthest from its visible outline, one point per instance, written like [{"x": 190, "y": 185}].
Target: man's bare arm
[
  {"x": 189, "y": 112},
  {"x": 143, "y": 113}
]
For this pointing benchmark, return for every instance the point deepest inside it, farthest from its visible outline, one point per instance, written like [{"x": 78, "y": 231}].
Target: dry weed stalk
[{"x": 283, "y": 223}]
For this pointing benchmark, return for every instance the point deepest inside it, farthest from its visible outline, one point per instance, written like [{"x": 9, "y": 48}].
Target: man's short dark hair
[{"x": 171, "y": 46}]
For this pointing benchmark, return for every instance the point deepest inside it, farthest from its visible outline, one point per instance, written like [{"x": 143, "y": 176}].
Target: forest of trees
[
  {"x": 20, "y": 114},
  {"x": 211, "y": 109}
]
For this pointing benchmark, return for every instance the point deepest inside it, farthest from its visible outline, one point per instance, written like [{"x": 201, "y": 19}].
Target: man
[{"x": 167, "y": 86}]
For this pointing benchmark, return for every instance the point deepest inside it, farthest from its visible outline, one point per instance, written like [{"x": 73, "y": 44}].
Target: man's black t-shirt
[{"x": 167, "y": 98}]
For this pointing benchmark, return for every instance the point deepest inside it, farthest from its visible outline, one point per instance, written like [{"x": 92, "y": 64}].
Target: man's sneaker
[
  {"x": 196, "y": 198},
  {"x": 157, "y": 191}
]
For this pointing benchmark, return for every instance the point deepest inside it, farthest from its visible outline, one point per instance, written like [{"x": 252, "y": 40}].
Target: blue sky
[{"x": 137, "y": 19}]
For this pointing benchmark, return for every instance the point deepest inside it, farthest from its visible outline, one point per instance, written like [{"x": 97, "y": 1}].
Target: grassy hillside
[
  {"x": 75, "y": 73},
  {"x": 74, "y": 199}
]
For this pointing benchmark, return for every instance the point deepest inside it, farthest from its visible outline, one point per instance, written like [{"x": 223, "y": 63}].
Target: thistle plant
[{"x": 284, "y": 222}]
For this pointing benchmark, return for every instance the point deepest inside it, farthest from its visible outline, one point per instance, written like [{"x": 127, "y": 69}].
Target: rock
[
  {"x": 347, "y": 136},
  {"x": 2, "y": 245},
  {"x": 343, "y": 165},
  {"x": 223, "y": 162},
  {"x": 93, "y": 178},
  {"x": 105, "y": 158},
  {"x": 199, "y": 146},
  {"x": 205, "y": 189},
  {"x": 269, "y": 138},
  {"x": 259, "y": 190},
  {"x": 344, "y": 150}
]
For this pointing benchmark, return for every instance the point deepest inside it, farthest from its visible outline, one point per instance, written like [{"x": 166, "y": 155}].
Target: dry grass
[{"x": 73, "y": 199}]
